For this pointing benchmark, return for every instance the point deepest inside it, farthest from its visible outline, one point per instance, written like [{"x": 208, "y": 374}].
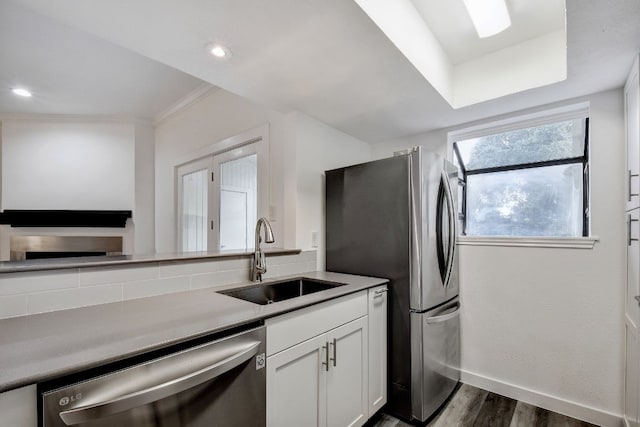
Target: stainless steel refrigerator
[{"x": 397, "y": 218}]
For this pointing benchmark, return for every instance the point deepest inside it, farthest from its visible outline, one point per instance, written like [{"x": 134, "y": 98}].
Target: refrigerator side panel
[{"x": 367, "y": 233}]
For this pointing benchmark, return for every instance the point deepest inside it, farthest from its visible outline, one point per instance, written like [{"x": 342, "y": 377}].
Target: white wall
[
  {"x": 546, "y": 325},
  {"x": 301, "y": 149},
  {"x": 213, "y": 118},
  {"x": 144, "y": 210},
  {"x": 67, "y": 164},
  {"x": 435, "y": 141},
  {"x": 319, "y": 148}
]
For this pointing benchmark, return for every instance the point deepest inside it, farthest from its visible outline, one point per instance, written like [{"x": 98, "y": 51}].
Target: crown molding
[{"x": 184, "y": 102}]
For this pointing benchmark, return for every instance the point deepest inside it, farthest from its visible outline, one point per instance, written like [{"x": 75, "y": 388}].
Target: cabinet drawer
[{"x": 300, "y": 325}]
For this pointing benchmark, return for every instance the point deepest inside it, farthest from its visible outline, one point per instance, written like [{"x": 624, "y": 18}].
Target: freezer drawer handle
[
  {"x": 444, "y": 317},
  {"x": 142, "y": 397},
  {"x": 380, "y": 293},
  {"x": 637, "y": 298}
]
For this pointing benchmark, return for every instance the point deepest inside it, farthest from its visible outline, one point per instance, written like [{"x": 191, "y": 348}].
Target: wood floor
[{"x": 475, "y": 407}]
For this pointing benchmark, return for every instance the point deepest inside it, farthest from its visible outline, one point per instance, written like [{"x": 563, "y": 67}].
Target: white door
[
  {"x": 347, "y": 386},
  {"x": 296, "y": 385},
  {"x": 235, "y": 215},
  {"x": 194, "y": 205},
  {"x": 235, "y": 198},
  {"x": 377, "y": 348}
]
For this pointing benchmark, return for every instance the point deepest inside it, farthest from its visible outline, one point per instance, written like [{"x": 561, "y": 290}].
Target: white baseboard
[{"x": 551, "y": 403}]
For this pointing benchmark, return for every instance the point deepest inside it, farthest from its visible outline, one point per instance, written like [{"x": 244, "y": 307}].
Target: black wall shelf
[{"x": 64, "y": 218}]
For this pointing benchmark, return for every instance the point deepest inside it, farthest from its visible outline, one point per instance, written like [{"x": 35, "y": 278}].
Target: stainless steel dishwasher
[{"x": 218, "y": 383}]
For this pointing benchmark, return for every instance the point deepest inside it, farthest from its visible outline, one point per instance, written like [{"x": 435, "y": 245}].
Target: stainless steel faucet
[{"x": 259, "y": 261}]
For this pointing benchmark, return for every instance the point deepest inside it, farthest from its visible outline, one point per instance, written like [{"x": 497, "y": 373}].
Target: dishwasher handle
[{"x": 151, "y": 394}]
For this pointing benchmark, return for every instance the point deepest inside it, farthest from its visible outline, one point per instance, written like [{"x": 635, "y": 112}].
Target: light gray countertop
[
  {"x": 112, "y": 260},
  {"x": 40, "y": 347}
]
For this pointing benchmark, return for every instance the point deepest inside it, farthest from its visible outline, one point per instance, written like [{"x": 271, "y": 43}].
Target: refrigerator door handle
[
  {"x": 452, "y": 227},
  {"x": 448, "y": 315}
]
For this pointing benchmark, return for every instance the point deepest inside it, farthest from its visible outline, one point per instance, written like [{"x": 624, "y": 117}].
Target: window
[
  {"x": 221, "y": 194},
  {"x": 529, "y": 178}
]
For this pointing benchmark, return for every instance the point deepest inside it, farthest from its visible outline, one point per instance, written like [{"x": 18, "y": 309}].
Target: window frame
[{"x": 517, "y": 122}]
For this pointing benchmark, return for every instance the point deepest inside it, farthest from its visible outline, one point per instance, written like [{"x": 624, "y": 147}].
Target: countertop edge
[
  {"x": 271, "y": 311},
  {"x": 8, "y": 267}
]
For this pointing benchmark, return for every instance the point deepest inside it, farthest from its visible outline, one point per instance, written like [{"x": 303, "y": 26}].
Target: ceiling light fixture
[
  {"x": 21, "y": 92},
  {"x": 489, "y": 16},
  {"x": 219, "y": 51}
]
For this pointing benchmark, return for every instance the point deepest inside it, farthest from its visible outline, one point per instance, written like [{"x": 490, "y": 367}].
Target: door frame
[{"x": 259, "y": 137}]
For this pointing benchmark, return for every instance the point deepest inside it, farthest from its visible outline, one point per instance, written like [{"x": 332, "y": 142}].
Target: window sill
[{"x": 530, "y": 242}]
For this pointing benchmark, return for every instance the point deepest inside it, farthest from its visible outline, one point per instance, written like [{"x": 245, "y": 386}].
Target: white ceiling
[
  {"x": 73, "y": 72},
  {"x": 452, "y": 26},
  {"x": 327, "y": 59}
]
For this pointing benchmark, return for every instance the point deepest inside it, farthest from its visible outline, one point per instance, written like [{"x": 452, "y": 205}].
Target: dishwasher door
[{"x": 220, "y": 383}]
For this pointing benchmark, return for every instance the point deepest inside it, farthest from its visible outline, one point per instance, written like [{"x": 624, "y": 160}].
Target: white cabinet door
[
  {"x": 632, "y": 116},
  {"x": 377, "y": 348},
  {"x": 347, "y": 377},
  {"x": 296, "y": 385},
  {"x": 632, "y": 307},
  {"x": 18, "y": 408},
  {"x": 632, "y": 371}
]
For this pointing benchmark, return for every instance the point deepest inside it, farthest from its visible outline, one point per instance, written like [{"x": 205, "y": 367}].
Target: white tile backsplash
[
  {"x": 15, "y": 305},
  {"x": 43, "y": 291},
  {"x": 232, "y": 276},
  {"x": 234, "y": 264},
  {"x": 149, "y": 288},
  {"x": 29, "y": 282},
  {"x": 71, "y": 298},
  {"x": 182, "y": 268},
  {"x": 117, "y": 274}
]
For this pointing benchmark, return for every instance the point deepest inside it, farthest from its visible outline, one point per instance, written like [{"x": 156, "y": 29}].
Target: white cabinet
[
  {"x": 632, "y": 306},
  {"x": 321, "y": 381},
  {"x": 297, "y": 385},
  {"x": 377, "y": 310},
  {"x": 318, "y": 362},
  {"x": 632, "y": 121},
  {"x": 633, "y": 266},
  {"x": 18, "y": 407},
  {"x": 347, "y": 374}
]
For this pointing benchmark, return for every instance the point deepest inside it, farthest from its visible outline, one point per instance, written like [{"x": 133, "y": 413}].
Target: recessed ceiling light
[
  {"x": 219, "y": 51},
  {"x": 21, "y": 92},
  {"x": 489, "y": 16}
]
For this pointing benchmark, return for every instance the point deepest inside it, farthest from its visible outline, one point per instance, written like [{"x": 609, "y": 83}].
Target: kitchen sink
[{"x": 271, "y": 292}]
